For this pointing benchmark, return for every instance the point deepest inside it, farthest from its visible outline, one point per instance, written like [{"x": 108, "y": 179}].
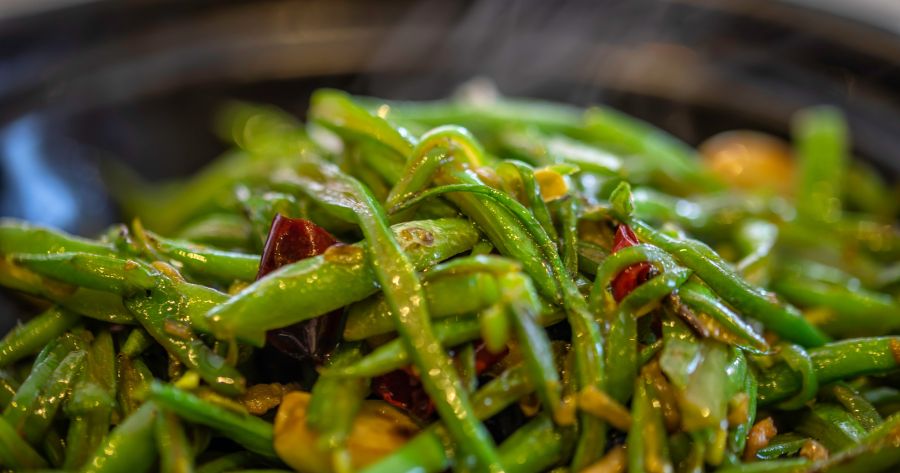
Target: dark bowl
[{"x": 137, "y": 82}]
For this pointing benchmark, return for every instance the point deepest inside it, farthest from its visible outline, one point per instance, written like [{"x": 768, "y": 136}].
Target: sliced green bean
[
  {"x": 90, "y": 409},
  {"x": 861, "y": 410},
  {"x": 17, "y": 236},
  {"x": 53, "y": 394},
  {"x": 210, "y": 263},
  {"x": 133, "y": 382},
  {"x": 448, "y": 295},
  {"x": 130, "y": 447},
  {"x": 171, "y": 442},
  {"x": 102, "y": 273},
  {"x": 29, "y": 338},
  {"x": 88, "y": 302},
  {"x": 253, "y": 433},
  {"x": 832, "y": 425},
  {"x": 15, "y": 453},
  {"x": 648, "y": 449},
  {"x": 701, "y": 299},
  {"x": 27, "y": 396},
  {"x": 137, "y": 342},
  {"x": 534, "y": 447}
]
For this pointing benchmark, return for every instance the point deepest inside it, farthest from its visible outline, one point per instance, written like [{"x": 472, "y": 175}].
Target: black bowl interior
[{"x": 137, "y": 82}]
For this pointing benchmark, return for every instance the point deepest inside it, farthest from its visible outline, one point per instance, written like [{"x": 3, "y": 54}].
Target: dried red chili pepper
[
  {"x": 291, "y": 240},
  {"x": 634, "y": 275},
  {"x": 403, "y": 388}
]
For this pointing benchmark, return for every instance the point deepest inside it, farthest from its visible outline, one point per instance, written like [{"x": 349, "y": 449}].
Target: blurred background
[{"x": 88, "y": 82}]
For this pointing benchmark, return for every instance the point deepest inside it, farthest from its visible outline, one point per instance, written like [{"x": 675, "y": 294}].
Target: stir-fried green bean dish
[{"x": 481, "y": 284}]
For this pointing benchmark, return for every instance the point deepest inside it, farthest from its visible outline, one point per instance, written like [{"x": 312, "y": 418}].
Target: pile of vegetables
[{"x": 482, "y": 284}]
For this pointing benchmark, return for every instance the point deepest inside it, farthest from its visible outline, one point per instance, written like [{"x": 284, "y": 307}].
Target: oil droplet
[{"x": 344, "y": 254}]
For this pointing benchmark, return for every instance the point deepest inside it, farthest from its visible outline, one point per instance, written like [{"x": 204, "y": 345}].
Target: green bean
[
  {"x": 534, "y": 447},
  {"x": 15, "y": 452},
  {"x": 88, "y": 302},
  {"x": 130, "y": 447},
  {"x": 253, "y": 433},
  {"x": 820, "y": 136},
  {"x": 210, "y": 263},
  {"x": 857, "y": 406},
  {"x": 29, "y": 338},
  {"x": 137, "y": 342},
  {"x": 447, "y": 296},
  {"x": 17, "y": 236},
  {"x": 35, "y": 425},
  {"x": 647, "y": 446},
  {"x": 568, "y": 216},
  {"x": 590, "y": 255},
  {"x": 854, "y": 312},
  {"x": 701, "y": 299},
  {"x": 159, "y": 312},
  {"x": 737, "y": 441},
  {"x": 91, "y": 405},
  {"x": 494, "y": 327},
  {"x": 342, "y": 275},
  {"x": 878, "y": 451},
  {"x": 102, "y": 273},
  {"x": 346, "y": 197},
  {"x": 831, "y": 425},
  {"x": 781, "y": 319},
  {"x": 782, "y": 445},
  {"x": 394, "y": 354},
  {"x": 27, "y": 396},
  {"x": 172, "y": 444},
  {"x": 533, "y": 341},
  {"x": 832, "y": 362},
  {"x": 227, "y": 462},
  {"x": 466, "y": 364},
  {"x": 133, "y": 381},
  {"x": 800, "y": 362},
  {"x": 336, "y": 400}
]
